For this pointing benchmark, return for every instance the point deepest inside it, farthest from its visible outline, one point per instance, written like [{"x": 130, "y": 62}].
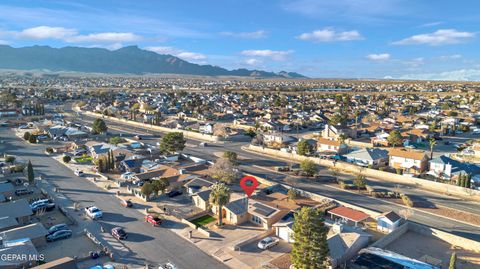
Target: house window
[{"x": 256, "y": 219}]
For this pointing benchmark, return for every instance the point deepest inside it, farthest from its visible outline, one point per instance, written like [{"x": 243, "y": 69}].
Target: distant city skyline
[{"x": 322, "y": 39}]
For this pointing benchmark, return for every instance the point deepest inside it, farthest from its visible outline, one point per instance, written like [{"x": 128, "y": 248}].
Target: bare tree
[{"x": 406, "y": 213}]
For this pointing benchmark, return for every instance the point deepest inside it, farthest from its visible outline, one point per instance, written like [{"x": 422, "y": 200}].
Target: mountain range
[{"x": 127, "y": 60}]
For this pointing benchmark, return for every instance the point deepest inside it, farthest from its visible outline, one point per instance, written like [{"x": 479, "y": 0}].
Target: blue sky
[{"x": 434, "y": 39}]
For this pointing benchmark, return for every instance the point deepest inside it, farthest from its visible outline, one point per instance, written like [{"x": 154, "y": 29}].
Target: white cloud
[
  {"x": 379, "y": 57},
  {"x": 329, "y": 35},
  {"x": 456, "y": 75},
  {"x": 104, "y": 37},
  {"x": 439, "y": 37},
  {"x": 4, "y": 42},
  {"x": 430, "y": 24},
  {"x": 186, "y": 55},
  {"x": 253, "y": 61},
  {"x": 277, "y": 55},
  {"x": 416, "y": 62},
  {"x": 246, "y": 35},
  {"x": 450, "y": 57},
  {"x": 71, "y": 35},
  {"x": 46, "y": 32}
]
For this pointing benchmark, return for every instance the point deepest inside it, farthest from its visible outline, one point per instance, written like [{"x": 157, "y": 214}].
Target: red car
[{"x": 155, "y": 221}]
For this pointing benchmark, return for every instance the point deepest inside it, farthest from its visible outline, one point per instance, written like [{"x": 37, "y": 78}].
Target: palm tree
[
  {"x": 219, "y": 196},
  {"x": 432, "y": 143},
  {"x": 342, "y": 138}
]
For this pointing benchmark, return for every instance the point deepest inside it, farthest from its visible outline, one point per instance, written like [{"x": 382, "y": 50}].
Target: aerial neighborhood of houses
[{"x": 108, "y": 173}]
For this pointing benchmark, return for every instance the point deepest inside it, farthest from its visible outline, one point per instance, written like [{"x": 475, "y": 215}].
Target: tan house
[
  {"x": 241, "y": 209},
  {"x": 409, "y": 161}
]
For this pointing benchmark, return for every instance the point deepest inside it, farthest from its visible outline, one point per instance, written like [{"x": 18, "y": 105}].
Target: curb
[{"x": 392, "y": 203}]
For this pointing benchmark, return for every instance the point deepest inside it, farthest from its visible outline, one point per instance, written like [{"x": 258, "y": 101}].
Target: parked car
[
  {"x": 174, "y": 193},
  {"x": 203, "y": 144},
  {"x": 155, "y": 221},
  {"x": 447, "y": 142},
  {"x": 268, "y": 242},
  {"x": 119, "y": 233},
  {"x": 137, "y": 137},
  {"x": 62, "y": 234},
  {"x": 46, "y": 204},
  {"x": 23, "y": 191},
  {"x": 58, "y": 227},
  {"x": 127, "y": 175},
  {"x": 93, "y": 212},
  {"x": 168, "y": 265},
  {"x": 126, "y": 203},
  {"x": 79, "y": 173}
]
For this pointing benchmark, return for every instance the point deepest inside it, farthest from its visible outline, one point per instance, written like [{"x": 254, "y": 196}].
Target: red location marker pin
[{"x": 248, "y": 184}]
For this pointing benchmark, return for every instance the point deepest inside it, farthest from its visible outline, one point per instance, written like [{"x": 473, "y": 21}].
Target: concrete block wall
[
  {"x": 392, "y": 177},
  {"x": 188, "y": 134}
]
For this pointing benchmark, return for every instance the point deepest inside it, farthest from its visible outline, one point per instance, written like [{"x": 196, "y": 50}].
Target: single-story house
[
  {"x": 344, "y": 243},
  {"x": 388, "y": 222},
  {"x": 447, "y": 168},
  {"x": 36, "y": 232},
  {"x": 7, "y": 223},
  {"x": 16, "y": 249},
  {"x": 368, "y": 156},
  {"x": 196, "y": 184},
  {"x": 348, "y": 215},
  {"x": 62, "y": 263},
  {"x": 6, "y": 189},
  {"x": 18, "y": 209}
]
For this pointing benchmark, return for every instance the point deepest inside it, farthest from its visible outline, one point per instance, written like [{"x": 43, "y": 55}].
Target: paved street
[
  {"x": 251, "y": 159},
  {"x": 145, "y": 243}
]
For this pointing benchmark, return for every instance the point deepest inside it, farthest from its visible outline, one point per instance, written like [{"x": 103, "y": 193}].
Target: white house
[
  {"x": 388, "y": 222},
  {"x": 330, "y": 145}
]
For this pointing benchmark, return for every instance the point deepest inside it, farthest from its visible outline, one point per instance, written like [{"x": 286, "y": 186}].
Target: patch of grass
[
  {"x": 83, "y": 159},
  {"x": 203, "y": 220}
]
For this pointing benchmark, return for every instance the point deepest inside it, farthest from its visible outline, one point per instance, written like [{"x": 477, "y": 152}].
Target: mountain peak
[{"x": 126, "y": 60}]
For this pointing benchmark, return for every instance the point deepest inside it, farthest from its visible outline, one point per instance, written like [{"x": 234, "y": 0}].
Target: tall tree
[
  {"x": 99, "y": 126},
  {"x": 395, "y": 138},
  {"x": 432, "y": 142},
  {"x": 172, "y": 142},
  {"x": 304, "y": 148},
  {"x": 310, "y": 248},
  {"x": 219, "y": 197},
  {"x": 360, "y": 182},
  {"x": 30, "y": 173},
  {"x": 309, "y": 167}
]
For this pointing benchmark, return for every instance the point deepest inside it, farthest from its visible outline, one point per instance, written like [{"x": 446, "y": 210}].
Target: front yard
[{"x": 203, "y": 220}]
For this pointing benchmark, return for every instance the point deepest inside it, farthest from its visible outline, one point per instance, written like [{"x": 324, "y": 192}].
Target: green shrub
[
  {"x": 66, "y": 159},
  {"x": 18, "y": 168},
  {"x": 342, "y": 185},
  {"x": 9, "y": 159},
  {"x": 399, "y": 171},
  {"x": 49, "y": 150},
  {"x": 32, "y": 139},
  {"x": 26, "y": 136}
]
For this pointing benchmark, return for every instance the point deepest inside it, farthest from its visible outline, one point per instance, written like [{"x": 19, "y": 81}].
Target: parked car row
[{"x": 59, "y": 231}]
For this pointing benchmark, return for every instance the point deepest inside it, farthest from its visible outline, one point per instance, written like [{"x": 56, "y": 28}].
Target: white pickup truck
[{"x": 93, "y": 212}]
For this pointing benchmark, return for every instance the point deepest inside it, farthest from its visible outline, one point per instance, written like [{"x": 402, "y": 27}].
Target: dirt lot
[
  {"x": 52, "y": 218},
  {"x": 418, "y": 246}
]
